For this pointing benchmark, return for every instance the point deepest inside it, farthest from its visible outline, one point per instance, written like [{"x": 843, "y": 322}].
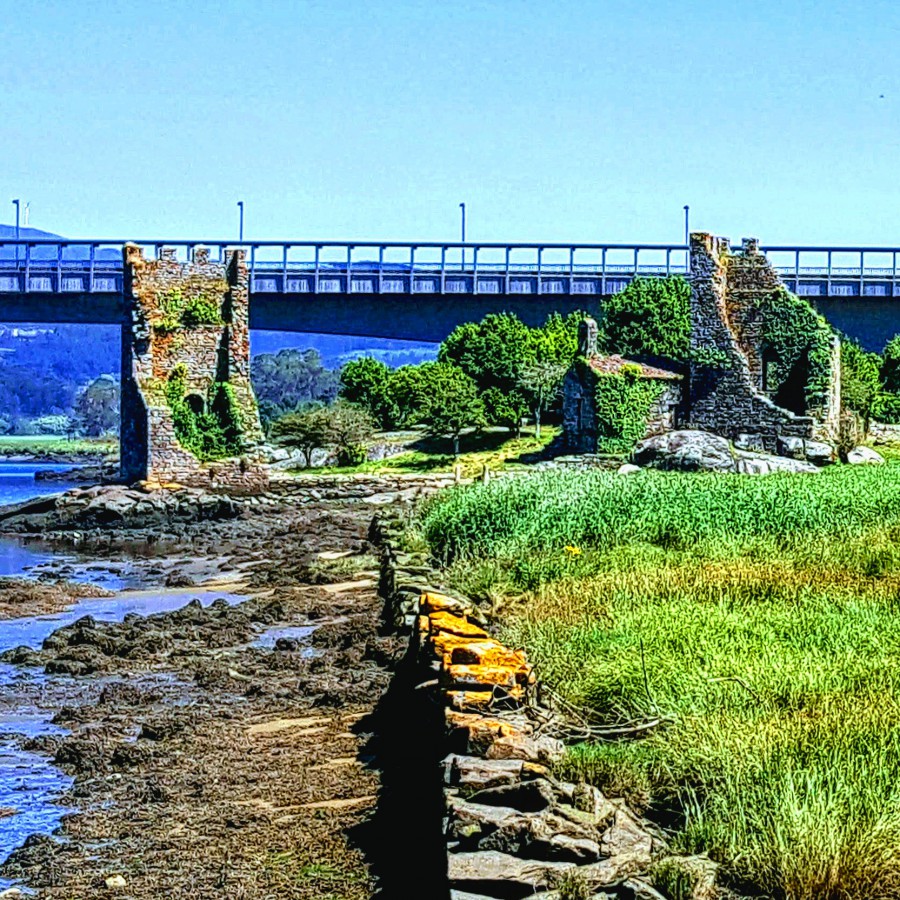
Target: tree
[
  {"x": 451, "y": 404},
  {"x": 651, "y": 317},
  {"x": 491, "y": 352},
  {"x": 348, "y": 427},
  {"x": 542, "y": 381},
  {"x": 505, "y": 409},
  {"x": 860, "y": 380},
  {"x": 307, "y": 431},
  {"x": 890, "y": 366},
  {"x": 290, "y": 380},
  {"x": 97, "y": 406},
  {"x": 367, "y": 383}
]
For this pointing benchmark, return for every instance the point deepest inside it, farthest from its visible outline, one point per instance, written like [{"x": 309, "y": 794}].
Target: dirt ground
[{"x": 206, "y": 765}]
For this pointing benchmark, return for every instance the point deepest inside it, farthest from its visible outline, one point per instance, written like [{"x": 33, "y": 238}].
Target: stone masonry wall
[
  {"x": 580, "y": 411},
  {"x": 152, "y": 346},
  {"x": 726, "y": 397}
]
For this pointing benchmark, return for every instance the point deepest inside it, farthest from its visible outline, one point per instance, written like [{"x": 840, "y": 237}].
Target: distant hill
[{"x": 74, "y": 253}]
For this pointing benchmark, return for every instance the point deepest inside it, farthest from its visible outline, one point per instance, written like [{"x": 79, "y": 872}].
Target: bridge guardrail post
[
  {"x": 475, "y": 269},
  {"x": 443, "y": 270},
  {"x": 316, "y": 274}
]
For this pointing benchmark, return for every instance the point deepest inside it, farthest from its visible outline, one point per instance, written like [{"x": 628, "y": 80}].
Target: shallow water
[
  {"x": 17, "y": 481},
  {"x": 29, "y": 783}
]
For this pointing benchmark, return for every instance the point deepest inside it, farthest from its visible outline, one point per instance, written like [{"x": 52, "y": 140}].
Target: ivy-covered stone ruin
[
  {"x": 188, "y": 411},
  {"x": 762, "y": 367}
]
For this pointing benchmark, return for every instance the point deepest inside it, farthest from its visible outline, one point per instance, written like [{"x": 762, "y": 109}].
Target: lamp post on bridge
[
  {"x": 687, "y": 226},
  {"x": 240, "y": 204},
  {"x": 462, "y": 210},
  {"x": 16, "y": 204}
]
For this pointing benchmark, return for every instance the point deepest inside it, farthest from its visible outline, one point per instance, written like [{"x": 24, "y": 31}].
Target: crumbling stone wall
[
  {"x": 725, "y": 393},
  {"x": 154, "y": 344}
]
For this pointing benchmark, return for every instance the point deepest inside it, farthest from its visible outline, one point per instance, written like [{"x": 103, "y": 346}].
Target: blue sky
[{"x": 566, "y": 121}]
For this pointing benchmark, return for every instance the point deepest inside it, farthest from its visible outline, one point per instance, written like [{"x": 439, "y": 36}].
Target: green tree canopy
[
  {"x": 491, "y": 352},
  {"x": 890, "y": 366},
  {"x": 307, "y": 431},
  {"x": 860, "y": 380},
  {"x": 451, "y": 404},
  {"x": 651, "y": 317},
  {"x": 367, "y": 383}
]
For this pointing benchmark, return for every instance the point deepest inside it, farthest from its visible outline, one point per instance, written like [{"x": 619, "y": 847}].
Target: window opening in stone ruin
[{"x": 196, "y": 403}]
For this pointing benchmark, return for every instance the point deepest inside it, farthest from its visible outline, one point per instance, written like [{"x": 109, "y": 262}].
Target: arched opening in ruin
[{"x": 196, "y": 403}]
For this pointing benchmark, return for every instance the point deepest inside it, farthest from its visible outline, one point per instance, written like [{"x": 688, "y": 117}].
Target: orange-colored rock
[
  {"x": 475, "y": 733},
  {"x": 470, "y": 701},
  {"x": 444, "y": 644},
  {"x": 444, "y": 621},
  {"x": 501, "y": 676},
  {"x": 431, "y": 603},
  {"x": 487, "y": 653}
]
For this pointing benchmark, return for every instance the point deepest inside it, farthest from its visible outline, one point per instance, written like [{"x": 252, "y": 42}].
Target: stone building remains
[
  {"x": 581, "y": 420},
  {"x": 725, "y": 390},
  {"x": 189, "y": 321}
]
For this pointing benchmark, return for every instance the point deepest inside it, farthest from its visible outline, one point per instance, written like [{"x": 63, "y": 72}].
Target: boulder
[
  {"x": 688, "y": 451},
  {"x": 527, "y": 796},
  {"x": 542, "y": 749},
  {"x": 694, "y": 451},
  {"x": 817, "y": 452},
  {"x": 474, "y": 774},
  {"x": 626, "y": 838},
  {"x": 628, "y": 469},
  {"x": 864, "y": 456},
  {"x": 746, "y": 463}
]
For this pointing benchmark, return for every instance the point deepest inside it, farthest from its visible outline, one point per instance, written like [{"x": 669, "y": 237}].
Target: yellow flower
[{"x": 573, "y": 551}]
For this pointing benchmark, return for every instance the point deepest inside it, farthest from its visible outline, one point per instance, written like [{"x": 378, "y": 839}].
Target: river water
[{"x": 29, "y": 783}]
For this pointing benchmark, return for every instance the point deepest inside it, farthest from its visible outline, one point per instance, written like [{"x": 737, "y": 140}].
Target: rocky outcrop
[
  {"x": 116, "y": 506},
  {"x": 694, "y": 451}
]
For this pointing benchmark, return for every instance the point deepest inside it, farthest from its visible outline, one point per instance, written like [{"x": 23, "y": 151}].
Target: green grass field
[
  {"x": 757, "y": 618},
  {"x": 494, "y": 448},
  {"x": 38, "y": 444}
]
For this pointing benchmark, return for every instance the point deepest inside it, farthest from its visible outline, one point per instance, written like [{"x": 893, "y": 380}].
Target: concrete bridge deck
[{"x": 421, "y": 291}]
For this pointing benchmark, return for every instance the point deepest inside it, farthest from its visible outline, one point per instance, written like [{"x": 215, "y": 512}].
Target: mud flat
[{"x": 220, "y": 749}]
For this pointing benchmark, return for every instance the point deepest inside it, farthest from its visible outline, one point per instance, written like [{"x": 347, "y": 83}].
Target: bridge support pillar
[{"x": 188, "y": 411}]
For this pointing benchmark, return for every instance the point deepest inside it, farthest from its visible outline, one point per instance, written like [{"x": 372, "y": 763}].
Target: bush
[
  {"x": 860, "y": 380},
  {"x": 201, "y": 310},
  {"x": 650, "y": 317},
  {"x": 890, "y": 366}
]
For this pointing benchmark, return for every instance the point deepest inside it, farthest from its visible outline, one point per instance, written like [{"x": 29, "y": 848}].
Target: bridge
[{"x": 422, "y": 291}]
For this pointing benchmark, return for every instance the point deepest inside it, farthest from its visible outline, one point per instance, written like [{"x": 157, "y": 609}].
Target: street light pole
[
  {"x": 241, "y": 225},
  {"x": 462, "y": 210},
  {"x": 16, "y": 204},
  {"x": 687, "y": 226}
]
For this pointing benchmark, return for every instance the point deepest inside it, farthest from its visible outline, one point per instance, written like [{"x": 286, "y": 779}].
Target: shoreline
[{"x": 190, "y": 701}]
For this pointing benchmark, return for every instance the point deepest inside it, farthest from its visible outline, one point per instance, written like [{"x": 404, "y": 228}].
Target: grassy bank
[
  {"x": 494, "y": 448},
  {"x": 43, "y": 445},
  {"x": 759, "y": 618}
]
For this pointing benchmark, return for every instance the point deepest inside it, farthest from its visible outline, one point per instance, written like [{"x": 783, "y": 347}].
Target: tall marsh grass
[{"x": 759, "y": 616}]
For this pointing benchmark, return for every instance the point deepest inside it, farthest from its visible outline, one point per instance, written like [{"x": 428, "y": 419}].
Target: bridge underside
[{"x": 873, "y": 321}]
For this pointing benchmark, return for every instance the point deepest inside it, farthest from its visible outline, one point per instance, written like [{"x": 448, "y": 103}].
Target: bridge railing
[{"x": 300, "y": 267}]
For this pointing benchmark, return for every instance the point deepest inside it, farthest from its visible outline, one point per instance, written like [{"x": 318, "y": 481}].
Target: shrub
[
  {"x": 860, "y": 380},
  {"x": 507, "y": 410},
  {"x": 201, "y": 310}
]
